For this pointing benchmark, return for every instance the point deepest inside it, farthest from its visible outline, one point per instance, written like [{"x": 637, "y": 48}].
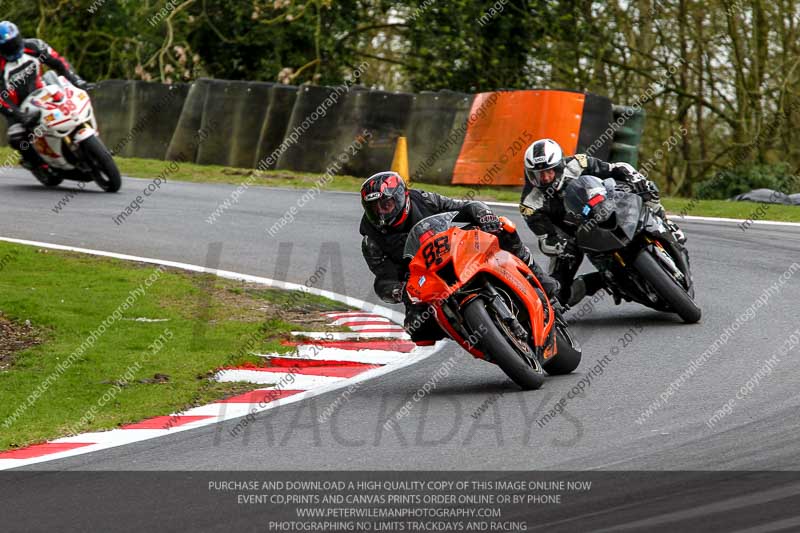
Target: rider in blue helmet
[{"x": 21, "y": 62}]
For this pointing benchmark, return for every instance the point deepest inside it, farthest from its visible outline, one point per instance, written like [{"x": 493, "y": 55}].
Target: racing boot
[{"x": 585, "y": 285}]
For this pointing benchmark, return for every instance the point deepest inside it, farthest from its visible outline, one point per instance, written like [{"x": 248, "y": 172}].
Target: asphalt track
[{"x": 474, "y": 418}]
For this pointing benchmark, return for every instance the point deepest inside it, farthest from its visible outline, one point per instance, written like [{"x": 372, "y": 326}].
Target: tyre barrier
[{"x": 452, "y": 137}]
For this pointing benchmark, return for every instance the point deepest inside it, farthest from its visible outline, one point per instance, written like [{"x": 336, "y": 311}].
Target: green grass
[
  {"x": 66, "y": 296},
  {"x": 728, "y": 209},
  {"x": 149, "y": 168}
]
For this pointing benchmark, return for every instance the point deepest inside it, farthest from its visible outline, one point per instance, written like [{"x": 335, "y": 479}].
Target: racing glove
[
  {"x": 489, "y": 222},
  {"x": 652, "y": 192},
  {"x": 85, "y": 85},
  {"x": 399, "y": 293},
  {"x": 623, "y": 172},
  {"x": 638, "y": 186},
  {"x": 646, "y": 189}
]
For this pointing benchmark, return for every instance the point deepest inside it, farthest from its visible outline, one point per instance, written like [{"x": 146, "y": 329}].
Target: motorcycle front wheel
[
  {"x": 106, "y": 173},
  {"x": 526, "y": 373},
  {"x": 667, "y": 287}
]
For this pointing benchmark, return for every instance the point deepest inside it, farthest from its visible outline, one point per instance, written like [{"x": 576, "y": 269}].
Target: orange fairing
[
  {"x": 505, "y": 123},
  {"x": 454, "y": 257}
]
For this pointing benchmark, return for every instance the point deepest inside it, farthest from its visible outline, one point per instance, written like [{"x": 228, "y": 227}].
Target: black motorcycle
[{"x": 630, "y": 245}]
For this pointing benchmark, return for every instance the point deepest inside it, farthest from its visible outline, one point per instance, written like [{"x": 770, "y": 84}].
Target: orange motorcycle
[{"x": 488, "y": 300}]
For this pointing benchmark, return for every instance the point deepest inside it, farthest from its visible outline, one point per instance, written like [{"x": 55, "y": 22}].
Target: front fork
[{"x": 497, "y": 303}]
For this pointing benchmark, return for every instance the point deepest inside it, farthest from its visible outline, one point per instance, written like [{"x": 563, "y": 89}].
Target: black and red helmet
[{"x": 384, "y": 197}]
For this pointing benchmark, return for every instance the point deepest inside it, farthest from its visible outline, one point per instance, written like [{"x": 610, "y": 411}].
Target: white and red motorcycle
[{"x": 67, "y": 137}]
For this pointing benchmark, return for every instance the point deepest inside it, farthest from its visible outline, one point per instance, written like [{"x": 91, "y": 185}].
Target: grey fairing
[
  {"x": 629, "y": 210},
  {"x": 599, "y": 240},
  {"x": 606, "y": 239}
]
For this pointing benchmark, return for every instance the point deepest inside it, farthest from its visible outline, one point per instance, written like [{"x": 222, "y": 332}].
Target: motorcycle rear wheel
[
  {"x": 48, "y": 180},
  {"x": 493, "y": 343},
  {"x": 667, "y": 287},
  {"x": 106, "y": 173},
  {"x": 569, "y": 353}
]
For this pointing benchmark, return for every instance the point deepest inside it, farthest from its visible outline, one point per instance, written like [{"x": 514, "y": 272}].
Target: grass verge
[
  {"x": 149, "y": 168},
  {"x": 153, "y": 359},
  {"x": 727, "y": 209}
]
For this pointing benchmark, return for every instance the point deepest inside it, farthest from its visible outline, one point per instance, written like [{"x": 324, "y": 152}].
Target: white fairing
[{"x": 66, "y": 111}]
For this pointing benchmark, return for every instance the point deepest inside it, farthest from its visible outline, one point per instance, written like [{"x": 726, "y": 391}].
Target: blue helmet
[{"x": 11, "y": 45}]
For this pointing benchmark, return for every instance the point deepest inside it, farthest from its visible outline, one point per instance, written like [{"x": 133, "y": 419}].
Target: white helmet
[{"x": 544, "y": 154}]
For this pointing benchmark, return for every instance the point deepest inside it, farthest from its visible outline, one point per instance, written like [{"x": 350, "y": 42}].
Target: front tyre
[
  {"x": 104, "y": 169},
  {"x": 525, "y": 373},
  {"x": 667, "y": 287}
]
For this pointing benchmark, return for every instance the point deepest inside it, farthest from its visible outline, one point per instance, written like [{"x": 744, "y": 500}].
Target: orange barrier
[
  {"x": 494, "y": 146},
  {"x": 451, "y": 137}
]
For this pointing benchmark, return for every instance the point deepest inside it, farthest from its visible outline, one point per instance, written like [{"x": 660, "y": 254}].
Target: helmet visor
[
  {"x": 543, "y": 177},
  {"x": 534, "y": 176},
  {"x": 384, "y": 206},
  {"x": 12, "y": 48},
  {"x": 384, "y": 209}
]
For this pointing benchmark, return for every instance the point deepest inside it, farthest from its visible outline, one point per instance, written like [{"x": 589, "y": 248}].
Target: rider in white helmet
[{"x": 542, "y": 206}]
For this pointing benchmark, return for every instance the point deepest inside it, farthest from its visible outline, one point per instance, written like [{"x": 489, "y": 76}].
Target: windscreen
[
  {"x": 424, "y": 230},
  {"x": 580, "y": 191}
]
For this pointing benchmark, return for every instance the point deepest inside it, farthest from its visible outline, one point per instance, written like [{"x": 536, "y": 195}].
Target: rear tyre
[
  {"x": 569, "y": 353},
  {"x": 48, "y": 180},
  {"x": 667, "y": 287},
  {"x": 528, "y": 375},
  {"x": 106, "y": 173}
]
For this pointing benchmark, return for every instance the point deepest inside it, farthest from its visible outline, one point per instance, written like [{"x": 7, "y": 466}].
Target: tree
[{"x": 722, "y": 77}]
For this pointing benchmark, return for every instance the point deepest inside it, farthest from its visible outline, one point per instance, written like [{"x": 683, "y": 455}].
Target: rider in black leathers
[
  {"x": 390, "y": 211},
  {"x": 542, "y": 206}
]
